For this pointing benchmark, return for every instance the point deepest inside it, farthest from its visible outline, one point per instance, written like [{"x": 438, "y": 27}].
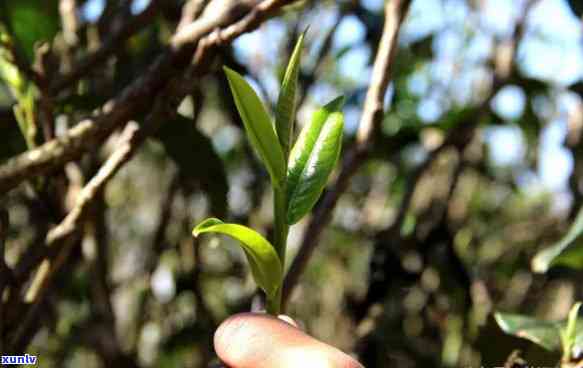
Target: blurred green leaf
[
  {"x": 566, "y": 251},
  {"x": 258, "y": 126},
  {"x": 196, "y": 159},
  {"x": 313, "y": 158},
  {"x": 10, "y": 74},
  {"x": 569, "y": 332},
  {"x": 265, "y": 264},
  {"x": 543, "y": 333},
  {"x": 286, "y": 103},
  {"x": 31, "y": 21},
  {"x": 547, "y": 334}
]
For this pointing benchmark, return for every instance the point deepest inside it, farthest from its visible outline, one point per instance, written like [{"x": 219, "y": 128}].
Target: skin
[{"x": 251, "y": 340}]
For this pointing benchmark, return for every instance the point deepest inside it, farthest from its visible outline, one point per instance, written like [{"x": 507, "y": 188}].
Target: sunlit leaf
[
  {"x": 258, "y": 126},
  {"x": 313, "y": 158},
  {"x": 264, "y": 262},
  {"x": 286, "y": 103},
  {"x": 566, "y": 251}
]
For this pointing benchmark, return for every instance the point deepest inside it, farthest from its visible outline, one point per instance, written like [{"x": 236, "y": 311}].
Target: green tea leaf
[
  {"x": 313, "y": 158},
  {"x": 258, "y": 126},
  {"x": 567, "y": 251},
  {"x": 286, "y": 103},
  {"x": 196, "y": 159},
  {"x": 263, "y": 260},
  {"x": 543, "y": 333}
]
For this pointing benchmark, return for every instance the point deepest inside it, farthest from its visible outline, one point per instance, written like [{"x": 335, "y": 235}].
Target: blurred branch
[
  {"x": 69, "y": 20},
  {"x": 96, "y": 232},
  {"x": 191, "y": 11},
  {"x": 4, "y": 270},
  {"x": 46, "y": 105},
  {"x": 63, "y": 236},
  {"x": 372, "y": 116},
  {"x": 109, "y": 47},
  {"x": 458, "y": 138},
  {"x": 65, "y": 233},
  {"x": 212, "y": 30},
  {"x": 309, "y": 79},
  {"x": 381, "y": 270},
  {"x": 159, "y": 244}
]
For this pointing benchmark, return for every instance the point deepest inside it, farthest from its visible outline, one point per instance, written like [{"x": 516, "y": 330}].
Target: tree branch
[
  {"x": 65, "y": 233},
  {"x": 4, "y": 223},
  {"x": 209, "y": 32},
  {"x": 109, "y": 47}
]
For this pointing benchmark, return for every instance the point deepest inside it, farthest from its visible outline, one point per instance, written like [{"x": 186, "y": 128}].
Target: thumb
[{"x": 260, "y": 341}]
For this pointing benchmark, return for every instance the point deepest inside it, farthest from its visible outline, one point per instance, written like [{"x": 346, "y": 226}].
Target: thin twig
[
  {"x": 65, "y": 232},
  {"x": 191, "y": 11},
  {"x": 159, "y": 244},
  {"x": 322, "y": 53},
  {"x": 63, "y": 236},
  {"x": 372, "y": 115},
  {"x": 458, "y": 137},
  {"x": 69, "y": 21},
  {"x": 108, "y": 48}
]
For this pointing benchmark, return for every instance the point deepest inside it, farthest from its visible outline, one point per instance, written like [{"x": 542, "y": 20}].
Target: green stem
[
  {"x": 280, "y": 224},
  {"x": 273, "y": 304},
  {"x": 280, "y": 233}
]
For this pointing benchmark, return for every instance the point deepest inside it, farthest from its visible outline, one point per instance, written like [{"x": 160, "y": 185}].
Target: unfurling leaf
[
  {"x": 313, "y": 158},
  {"x": 263, "y": 260},
  {"x": 258, "y": 126},
  {"x": 567, "y": 251},
  {"x": 286, "y": 103}
]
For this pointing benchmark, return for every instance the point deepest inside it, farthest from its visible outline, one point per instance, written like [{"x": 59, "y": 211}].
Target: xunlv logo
[{"x": 18, "y": 359}]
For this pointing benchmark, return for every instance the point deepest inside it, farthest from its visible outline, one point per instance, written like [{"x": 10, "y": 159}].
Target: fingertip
[
  {"x": 251, "y": 340},
  {"x": 228, "y": 337},
  {"x": 289, "y": 320}
]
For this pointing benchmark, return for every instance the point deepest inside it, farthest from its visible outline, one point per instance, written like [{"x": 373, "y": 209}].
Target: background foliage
[{"x": 475, "y": 168}]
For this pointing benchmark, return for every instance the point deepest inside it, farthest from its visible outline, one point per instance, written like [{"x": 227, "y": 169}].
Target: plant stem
[
  {"x": 280, "y": 232},
  {"x": 280, "y": 224},
  {"x": 273, "y": 304}
]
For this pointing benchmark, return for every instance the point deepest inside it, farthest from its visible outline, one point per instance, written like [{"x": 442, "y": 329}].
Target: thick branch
[{"x": 213, "y": 29}]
